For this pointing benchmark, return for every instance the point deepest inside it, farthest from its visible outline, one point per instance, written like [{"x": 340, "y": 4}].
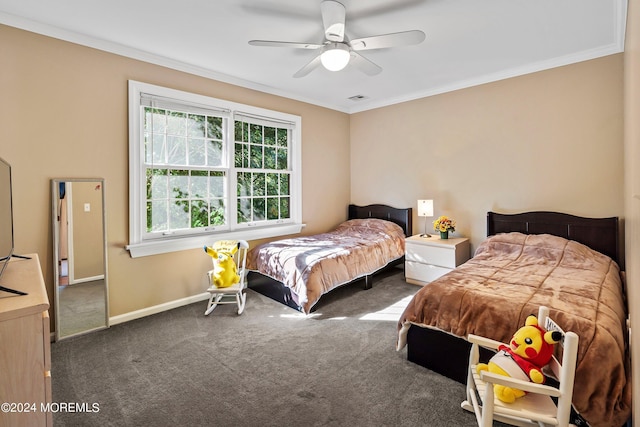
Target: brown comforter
[
  {"x": 509, "y": 277},
  {"x": 313, "y": 265}
]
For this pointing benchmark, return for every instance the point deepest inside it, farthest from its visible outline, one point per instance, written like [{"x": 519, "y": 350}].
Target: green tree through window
[{"x": 262, "y": 162}]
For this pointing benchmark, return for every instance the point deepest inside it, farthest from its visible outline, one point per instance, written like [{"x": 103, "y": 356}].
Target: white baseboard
[
  {"x": 158, "y": 309},
  {"x": 86, "y": 279}
]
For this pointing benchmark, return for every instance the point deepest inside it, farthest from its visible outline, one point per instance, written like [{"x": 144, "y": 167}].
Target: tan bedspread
[
  {"x": 509, "y": 277},
  {"x": 313, "y": 265}
]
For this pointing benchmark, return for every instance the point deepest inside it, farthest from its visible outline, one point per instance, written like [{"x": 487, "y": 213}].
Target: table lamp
[{"x": 425, "y": 208}]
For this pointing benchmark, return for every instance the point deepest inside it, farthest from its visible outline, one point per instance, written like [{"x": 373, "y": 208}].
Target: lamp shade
[
  {"x": 425, "y": 207},
  {"x": 335, "y": 56}
]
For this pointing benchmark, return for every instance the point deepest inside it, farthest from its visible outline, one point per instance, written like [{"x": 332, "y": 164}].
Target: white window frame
[{"x": 139, "y": 245}]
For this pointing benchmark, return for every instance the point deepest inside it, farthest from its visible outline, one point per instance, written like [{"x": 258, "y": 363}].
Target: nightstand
[{"x": 427, "y": 258}]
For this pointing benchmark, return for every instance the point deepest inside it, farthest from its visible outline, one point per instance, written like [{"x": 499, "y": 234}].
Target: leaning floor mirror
[{"x": 81, "y": 289}]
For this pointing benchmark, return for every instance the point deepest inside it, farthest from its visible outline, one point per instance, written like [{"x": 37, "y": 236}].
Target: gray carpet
[{"x": 270, "y": 366}]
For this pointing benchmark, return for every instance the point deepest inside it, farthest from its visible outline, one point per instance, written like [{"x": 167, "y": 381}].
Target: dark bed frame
[
  {"x": 447, "y": 354},
  {"x": 281, "y": 293}
]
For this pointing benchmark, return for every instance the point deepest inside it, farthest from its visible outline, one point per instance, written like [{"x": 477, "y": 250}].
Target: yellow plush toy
[
  {"x": 225, "y": 271},
  {"x": 530, "y": 349}
]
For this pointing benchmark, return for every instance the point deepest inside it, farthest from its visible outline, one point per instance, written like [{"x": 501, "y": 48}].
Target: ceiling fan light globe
[{"x": 335, "y": 57}]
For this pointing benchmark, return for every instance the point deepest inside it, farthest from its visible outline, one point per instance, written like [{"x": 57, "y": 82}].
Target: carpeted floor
[{"x": 271, "y": 366}]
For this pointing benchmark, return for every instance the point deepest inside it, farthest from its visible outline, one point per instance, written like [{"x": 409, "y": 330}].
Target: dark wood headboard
[
  {"x": 402, "y": 217},
  {"x": 600, "y": 234}
]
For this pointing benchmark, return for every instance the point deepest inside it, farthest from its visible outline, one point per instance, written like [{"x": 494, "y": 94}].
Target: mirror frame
[{"x": 56, "y": 250}]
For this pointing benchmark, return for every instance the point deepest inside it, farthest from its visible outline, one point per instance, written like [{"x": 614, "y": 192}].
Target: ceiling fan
[{"x": 336, "y": 51}]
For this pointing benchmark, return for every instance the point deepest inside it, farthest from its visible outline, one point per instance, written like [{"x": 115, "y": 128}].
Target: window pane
[
  {"x": 258, "y": 188},
  {"x": 196, "y": 152},
  {"x": 244, "y": 210},
  {"x": 214, "y": 153},
  {"x": 177, "y": 150},
  {"x": 216, "y": 215},
  {"x": 179, "y": 183},
  {"x": 195, "y": 126},
  {"x": 273, "y": 208},
  {"x": 256, "y": 156},
  {"x": 158, "y": 120},
  {"x": 269, "y": 158},
  {"x": 176, "y": 123},
  {"x": 256, "y": 134},
  {"x": 241, "y": 156},
  {"x": 237, "y": 131},
  {"x": 199, "y": 214},
  {"x": 157, "y": 216},
  {"x": 259, "y": 206},
  {"x": 244, "y": 184},
  {"x": 216, "y": 184},
  {"x": 157, "y": 182},
  {"x": 283, "y": 138},
  {"x": 198, "y": 184},
  {"x": 284, "y": 184},
  {"x": 284, "y": 207},
  {"x": 214, "y": 127},
  {"x": 179, "y": 214},
  {"x": 158, "y": 148},
  {"x": 272, "y": 184},
  {"x": 282, "y": 160},
  {"x": 270, "y": 136}
]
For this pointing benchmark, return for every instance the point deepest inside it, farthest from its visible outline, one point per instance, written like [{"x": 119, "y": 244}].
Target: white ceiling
[{"x": 469, "y": 42}]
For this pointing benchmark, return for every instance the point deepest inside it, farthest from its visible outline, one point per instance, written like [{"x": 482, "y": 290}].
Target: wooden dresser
[{"x": 25, "y": 346}]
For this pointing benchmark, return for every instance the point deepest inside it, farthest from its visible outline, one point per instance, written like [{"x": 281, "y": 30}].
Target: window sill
[{"x": 157, "y": 247}]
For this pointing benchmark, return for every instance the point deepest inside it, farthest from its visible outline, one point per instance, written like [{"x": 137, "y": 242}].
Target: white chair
[
  {"x": 234, "y": 294},
  {"x": 536, "y": 408}
]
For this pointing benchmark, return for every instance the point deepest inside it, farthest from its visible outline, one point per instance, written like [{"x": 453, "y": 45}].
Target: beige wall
[
  {"x": 63, "y": 113},
  {"x": 632, "y": 181},
  {"x": 546, "y": 141}
]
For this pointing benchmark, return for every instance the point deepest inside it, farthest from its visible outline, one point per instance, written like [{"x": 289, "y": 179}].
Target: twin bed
[
  {"x": 567, "y": 263},
  {"x": 298, "y": 271}
]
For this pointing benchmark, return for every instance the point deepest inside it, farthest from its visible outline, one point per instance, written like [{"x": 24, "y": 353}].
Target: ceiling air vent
[{"x": 357, "y": 97}]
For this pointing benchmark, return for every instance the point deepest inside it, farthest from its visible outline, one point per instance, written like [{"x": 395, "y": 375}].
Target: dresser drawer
[
  {"x": 435, "y": 255},
  {"x": 419, "y": 273}
]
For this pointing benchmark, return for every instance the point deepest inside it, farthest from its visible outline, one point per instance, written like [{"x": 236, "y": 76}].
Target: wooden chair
[
  {"x": 536, "y": 408},
  {"x": 234, "y": 294}
]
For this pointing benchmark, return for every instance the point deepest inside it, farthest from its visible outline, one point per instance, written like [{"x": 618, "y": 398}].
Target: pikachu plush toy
[
  {"x": 225, "y": 271},
  {"x": 529, "y": 350}
]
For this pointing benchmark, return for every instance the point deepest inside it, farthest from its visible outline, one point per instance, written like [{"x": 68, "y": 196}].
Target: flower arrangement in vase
[{"x": 444, "y": 224}]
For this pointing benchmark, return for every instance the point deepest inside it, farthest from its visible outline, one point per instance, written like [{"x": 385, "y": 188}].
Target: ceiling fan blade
[
  {"x": 364, "y": 65},
  {"x": 404, "y": 38},
  {"x": 295, "y": 45},
  {"x": 333, "y": 16},
  {"x": 312, "y": 65}
]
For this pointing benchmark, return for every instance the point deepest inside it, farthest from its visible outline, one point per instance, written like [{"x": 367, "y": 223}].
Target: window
[
  {"x": 204, "y": 169},
  {"x": 261, "y": 157}
]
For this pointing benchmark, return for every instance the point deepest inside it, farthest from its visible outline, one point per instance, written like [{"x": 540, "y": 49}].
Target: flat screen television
[{"x": 6, "y": 224}]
